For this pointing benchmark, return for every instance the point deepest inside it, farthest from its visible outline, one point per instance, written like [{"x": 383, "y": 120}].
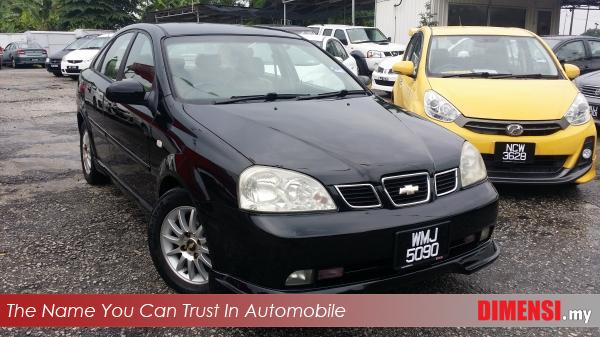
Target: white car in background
[
  {"x": 368, "y": 45},
  {"x": 335, "y": 48},
  {"x": 78, "y": 60},
  {"x": 384, "y": 77}
]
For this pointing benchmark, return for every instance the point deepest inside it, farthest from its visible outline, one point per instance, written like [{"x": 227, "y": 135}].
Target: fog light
[
  {"x": 470, "y": 238},
  {"x": 485, "y": 233},
  {"x": 300, "y": 277},
  {"x": 325, "y": 274},
  {"x": 586, "y": 154}
]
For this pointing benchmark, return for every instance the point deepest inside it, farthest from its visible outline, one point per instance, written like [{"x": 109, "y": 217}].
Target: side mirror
[
  {"x": 406, "y": 68},
  {"x": 126, "y": 92},
  {"x": 571, "y": 70},
  {"x": 389, "y": 39},
  {"x": 364, "y": 79}
]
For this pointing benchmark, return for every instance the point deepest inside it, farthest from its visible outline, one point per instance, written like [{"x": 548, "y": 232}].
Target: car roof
[
  {"x": 475, "y": 30},
  {"x": 339, "y": 26},
  {"x": 314, "y": 37},
  {"x": 177, "y": 29}
]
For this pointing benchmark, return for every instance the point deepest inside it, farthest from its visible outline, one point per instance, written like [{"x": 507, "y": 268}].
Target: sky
[{"x": 578, "y": 21}]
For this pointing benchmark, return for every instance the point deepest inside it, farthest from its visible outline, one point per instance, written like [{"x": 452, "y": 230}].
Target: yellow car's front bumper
[{"x": 564, "y": 146}]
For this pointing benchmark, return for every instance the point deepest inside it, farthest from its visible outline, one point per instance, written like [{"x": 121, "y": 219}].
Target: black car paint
[
  {"x": 588, "y": 63},
  {"x": 148, "y": 149},
  {"x": 56, "y": 58},
  {"x": 592, "y": 80}
]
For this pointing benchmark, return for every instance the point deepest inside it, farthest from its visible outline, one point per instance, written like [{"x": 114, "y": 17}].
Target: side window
[
  {"x": 571, "y": 51},
  {"x": 114, "y": 56},
  {"x": 330, "y": 48},
  {"x": 327, "y": 32},
  {"x": 340, "y": 35},
  {"x": 595, "y": 48},
  {"x": 140, "y": 62},
  {"x": 98, "y": 64},
  {"x": 341, "y": 50}
]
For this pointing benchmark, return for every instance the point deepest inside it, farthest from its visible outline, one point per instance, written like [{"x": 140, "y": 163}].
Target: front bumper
[
  {"x": 53, "y": 66},
  {"x": 73, "y": 69},
  {"x": 267, "y": 248},
  {"x": 383, "y": 81},
  {"x": 596, "y": 102},
  {"x": 373, "y": 62},
  {"x": 564, "y": 146}
]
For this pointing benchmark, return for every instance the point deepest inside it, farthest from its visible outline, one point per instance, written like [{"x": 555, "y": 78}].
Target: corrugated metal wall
[{"x": 395, "y": 21}]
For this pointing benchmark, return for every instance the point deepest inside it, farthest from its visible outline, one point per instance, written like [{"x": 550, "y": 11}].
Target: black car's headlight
[
  {"x": 472, "y": 167},
  {"x": 270, "y": 189}
]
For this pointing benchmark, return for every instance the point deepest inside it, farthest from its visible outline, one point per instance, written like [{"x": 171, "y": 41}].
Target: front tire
[
  {"x": 88, "y": 162},
  {"x": 178, "y": 244},
  {"x": 14, "y": 63}
]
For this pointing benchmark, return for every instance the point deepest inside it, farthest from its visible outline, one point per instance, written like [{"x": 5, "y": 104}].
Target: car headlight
[
  {"x": 472, "y": 167},
  {"x": 375, "y": 53},
  {"x": 437, "y": 107},
  {"x": 579, "y": 111},
  {"x": 269, "y": 189},
  {"x": 47, "y": 60}
]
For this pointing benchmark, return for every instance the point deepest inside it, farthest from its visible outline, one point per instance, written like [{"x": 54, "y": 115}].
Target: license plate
[
  {"x": 421, "y": 246},
  {"x": 54, "y": 66},
  {"x": 72, "y": 67},
  {"x": 594, "y": 111},
  {"x": 515, "y": 152},
  {"x": 380, "y": 78}
]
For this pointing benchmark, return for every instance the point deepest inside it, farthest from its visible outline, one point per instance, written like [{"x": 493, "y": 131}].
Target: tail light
[
  {"x": 45, "y": 52},
  {"x": 20, "y": 52}
]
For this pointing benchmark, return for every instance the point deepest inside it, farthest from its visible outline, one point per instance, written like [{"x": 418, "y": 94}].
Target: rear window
[{"x": 30, "y": 45}]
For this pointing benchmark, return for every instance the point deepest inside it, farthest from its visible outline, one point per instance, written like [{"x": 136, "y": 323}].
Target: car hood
[
  {"x": 388, "y": 62},
  {"x": 592, "y": 78},
  {"x": 507, "y": 99},
  {"x": 337, "y": 141},
  {"x": 381, "y": 46},
  {"x": 81, "y": 54}
]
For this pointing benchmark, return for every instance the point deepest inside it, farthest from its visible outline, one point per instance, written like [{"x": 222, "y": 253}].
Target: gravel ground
[{"x": 60, "y": 235}]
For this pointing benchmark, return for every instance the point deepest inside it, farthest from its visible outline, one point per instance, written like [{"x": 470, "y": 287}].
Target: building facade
[{"x": 396, "y": 17}]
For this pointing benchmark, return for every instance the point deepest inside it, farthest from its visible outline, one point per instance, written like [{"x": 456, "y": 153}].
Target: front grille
[
  {"x": 359, "y": 196},
  {"x": 385, "y": 83},
  {"x": 74, "y": 61},
  {"x": 541, "y": 166},
  {"x": 446, "y": 182},
  {"x": 55, "y": 61},
  {"x": 409, "y": 189},
  {"x": 72, "y": 71},
  {"x": 393, "y": 53},
  {"x": 530, "y": 128},
  {"x": 590, "y": 91}
]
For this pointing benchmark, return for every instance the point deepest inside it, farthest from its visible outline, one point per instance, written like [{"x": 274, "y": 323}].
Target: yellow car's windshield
[{"x": 489, "y": 56}]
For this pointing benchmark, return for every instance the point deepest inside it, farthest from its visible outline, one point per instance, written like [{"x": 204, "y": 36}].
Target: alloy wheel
[
  {"x": 86, "y": 152},
  {"x": 183, "y": 245}
]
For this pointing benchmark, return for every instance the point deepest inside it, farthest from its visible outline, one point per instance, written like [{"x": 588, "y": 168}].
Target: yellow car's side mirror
[
  {"x": 406, "y": 68},
  {"x": 412, "y": 31},
  {"x": 572, "y": 71}
]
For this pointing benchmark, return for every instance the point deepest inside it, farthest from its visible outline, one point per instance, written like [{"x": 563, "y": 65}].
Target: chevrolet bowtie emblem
[{"x": 408, "y": 190}]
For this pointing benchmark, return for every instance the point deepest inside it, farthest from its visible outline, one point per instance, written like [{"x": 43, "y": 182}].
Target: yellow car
[{"x": 503, "y": 90}]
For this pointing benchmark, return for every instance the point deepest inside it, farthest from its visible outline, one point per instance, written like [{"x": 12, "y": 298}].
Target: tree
[
  {"x": 427, "y": 18},
  {"x": 97, "y": 14},
  {"x": 21, "y": 15},
  {"x": 592, "y": 32}
]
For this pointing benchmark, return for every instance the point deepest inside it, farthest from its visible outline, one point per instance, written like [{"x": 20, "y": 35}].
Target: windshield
[
  {"x": 95, "y": 43},
  {"x": 207, "y": 69},
  {"x": 77, "y": 44},
  {"x": 489, "y": 55},
  {"x": 358, "y": 35}
]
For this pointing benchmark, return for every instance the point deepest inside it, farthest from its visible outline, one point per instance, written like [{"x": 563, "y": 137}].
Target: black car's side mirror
[
  {"x": 126, "y": 92},
  {"x": 389, "y": 39},
  {"x": 364, "y": 79}
]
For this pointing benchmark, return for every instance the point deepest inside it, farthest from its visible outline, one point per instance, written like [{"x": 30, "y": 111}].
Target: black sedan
[
  {"x": 589, "y": 85},
  {"x": 266, "y": 166},
  {"x": 582, "y": 51},
  {"x": 53, "y": 61},
  {"x": 24, "y": 53}
]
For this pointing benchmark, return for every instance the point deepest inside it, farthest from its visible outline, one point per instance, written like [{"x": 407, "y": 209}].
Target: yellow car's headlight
[
  {"x": 437, "y": 107},
  {"x": 579, "y": 111}
]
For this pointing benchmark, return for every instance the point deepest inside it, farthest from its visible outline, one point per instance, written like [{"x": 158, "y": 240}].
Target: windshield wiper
[
  {"x": 272, "y": 96},
  {"x": 341, "y": 93},
  {"x": 529, "y": 76},
  {"x": 482, "y": 74}
]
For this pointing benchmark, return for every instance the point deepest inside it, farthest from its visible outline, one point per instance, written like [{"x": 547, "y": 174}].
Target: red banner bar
[{"x": 296, "y": 310}]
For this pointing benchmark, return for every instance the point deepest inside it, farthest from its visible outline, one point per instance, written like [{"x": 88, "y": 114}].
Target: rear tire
[
  {"x": 88, "y": 161},
  {"x": 14, "y": 63},
  {"x": 74, "y": 78},
  {"x": 178, "y": 244}
]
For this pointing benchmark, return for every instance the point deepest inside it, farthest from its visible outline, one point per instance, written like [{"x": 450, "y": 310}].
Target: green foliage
[
  {"x": 427, "y": 18},
  {"x": 100, "y": 14},
  {"x": 592, "y": 32},
  {"x": 22, "y": 15}
]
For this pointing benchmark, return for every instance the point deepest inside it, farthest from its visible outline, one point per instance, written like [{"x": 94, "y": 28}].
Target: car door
[
  {"x": 407, "y": 84},
  {"x": 130, "y": 124},
  {"x": 335, "y": 48},
  {"x": 594, "y": 52},
  {"x": 340, "y": 34},
  {"x": 574, "y": 52},
  {"x": 7, "y": 53}
]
